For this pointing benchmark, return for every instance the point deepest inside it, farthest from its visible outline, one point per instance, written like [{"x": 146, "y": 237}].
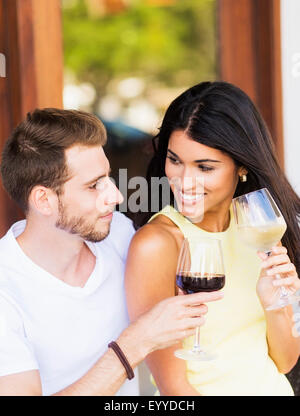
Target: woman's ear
[
  {"x": 242, "y": 171},
  {"x": 242, "y": 174}
]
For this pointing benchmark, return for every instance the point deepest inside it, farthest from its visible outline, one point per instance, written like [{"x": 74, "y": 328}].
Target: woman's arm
[
  {"x": 284, "y": 347},
  {"x": 150, "y": 277}
]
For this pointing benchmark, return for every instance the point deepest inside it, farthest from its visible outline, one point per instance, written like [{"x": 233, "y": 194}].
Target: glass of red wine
[{"x": 200, "y": 268}]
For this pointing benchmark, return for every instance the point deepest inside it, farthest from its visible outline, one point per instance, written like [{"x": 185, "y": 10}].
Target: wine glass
[
  {"x": 261, "y": 225},
  {"x": 200, "y": 268}
]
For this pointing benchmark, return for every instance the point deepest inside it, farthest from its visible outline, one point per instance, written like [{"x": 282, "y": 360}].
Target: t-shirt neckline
[{"x": 41, "y": 273}]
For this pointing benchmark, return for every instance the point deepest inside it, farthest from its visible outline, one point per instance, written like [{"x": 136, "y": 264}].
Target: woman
[{"x": 213, "y": 135}]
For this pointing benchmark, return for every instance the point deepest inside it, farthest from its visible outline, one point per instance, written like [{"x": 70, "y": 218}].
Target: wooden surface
[
  {"x": 236, "y": 52},
  {"x": 31, "y": 40},
  {"x": 48, "y": 52},
  {"x": 250, "y": 56}
]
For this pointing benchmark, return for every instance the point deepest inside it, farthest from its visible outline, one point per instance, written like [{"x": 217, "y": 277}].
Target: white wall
[{"x": 290, "y": 43}]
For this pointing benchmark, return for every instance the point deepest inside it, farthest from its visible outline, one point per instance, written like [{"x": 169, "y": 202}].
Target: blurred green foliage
[{"x": 173, "y": 44}]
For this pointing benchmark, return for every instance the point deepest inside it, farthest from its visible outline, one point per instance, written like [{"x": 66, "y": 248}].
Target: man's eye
[{"x": 97, "y": 184}]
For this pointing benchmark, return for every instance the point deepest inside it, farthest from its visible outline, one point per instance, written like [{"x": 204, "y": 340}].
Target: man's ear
[{"x": 43, "y": 200}]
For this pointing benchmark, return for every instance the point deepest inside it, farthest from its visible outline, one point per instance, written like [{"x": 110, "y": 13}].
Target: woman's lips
[{"x": 190, "y": 199}]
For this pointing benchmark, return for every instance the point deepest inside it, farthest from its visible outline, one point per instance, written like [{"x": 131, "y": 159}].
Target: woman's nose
[{"x": 191, "y": 181}]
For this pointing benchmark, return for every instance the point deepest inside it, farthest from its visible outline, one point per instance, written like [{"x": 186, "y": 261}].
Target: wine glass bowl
[
  {"x": 198, "y": 282},
  {"x": 259, "y": 221}
]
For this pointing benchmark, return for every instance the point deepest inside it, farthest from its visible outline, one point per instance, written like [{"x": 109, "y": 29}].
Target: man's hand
[{"x": 168, "y": 322}]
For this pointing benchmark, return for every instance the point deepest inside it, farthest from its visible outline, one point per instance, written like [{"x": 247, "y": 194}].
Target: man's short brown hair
[{"x": 35, "y": 152}]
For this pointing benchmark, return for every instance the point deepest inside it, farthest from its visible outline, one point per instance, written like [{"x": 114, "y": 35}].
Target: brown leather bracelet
[{"x": 129, "y": 371}]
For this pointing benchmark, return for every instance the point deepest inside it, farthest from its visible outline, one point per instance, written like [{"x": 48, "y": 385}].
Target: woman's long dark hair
[{"x": 221, "y": 116}]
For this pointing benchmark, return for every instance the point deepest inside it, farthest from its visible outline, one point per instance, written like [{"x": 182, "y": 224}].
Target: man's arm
[
  {"x": 165, "y": 324},
  {"x": 27, "y": 383}
]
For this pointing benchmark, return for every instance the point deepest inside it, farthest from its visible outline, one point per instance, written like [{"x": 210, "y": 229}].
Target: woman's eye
[
  {"x": 205, "y": 168},
  {"x": 93, "y": 186},
  {"x": 173, "y": 160}
]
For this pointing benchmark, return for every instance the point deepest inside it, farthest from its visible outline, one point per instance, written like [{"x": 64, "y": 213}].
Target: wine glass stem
[
  {"x": 197, "y": 347},
  {"x": 283, "y": 292}
]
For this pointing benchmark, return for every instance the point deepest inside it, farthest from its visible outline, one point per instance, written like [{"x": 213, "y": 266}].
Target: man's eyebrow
[
  {"x": 196, "y": 161},
  {"x": 97, "y": 178}
]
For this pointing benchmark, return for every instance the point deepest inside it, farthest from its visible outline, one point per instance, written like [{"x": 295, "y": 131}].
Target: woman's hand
[{"x": 268, "y": 285}]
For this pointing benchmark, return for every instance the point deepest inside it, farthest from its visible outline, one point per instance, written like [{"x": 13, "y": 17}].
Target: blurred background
[{"x": 126, "y": 60}]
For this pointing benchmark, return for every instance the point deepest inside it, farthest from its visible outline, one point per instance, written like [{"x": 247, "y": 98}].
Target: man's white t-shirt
[{"x": 58, "y": 329}]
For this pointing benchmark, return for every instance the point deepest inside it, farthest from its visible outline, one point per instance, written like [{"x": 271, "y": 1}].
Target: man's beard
[{"x": 79, "y": 226}]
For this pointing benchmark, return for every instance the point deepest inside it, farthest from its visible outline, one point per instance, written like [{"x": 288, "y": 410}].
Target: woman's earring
[{"x": 243, "y": 178}]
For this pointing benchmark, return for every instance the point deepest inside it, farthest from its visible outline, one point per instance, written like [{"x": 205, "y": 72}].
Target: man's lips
[{"x": 106, "y": 216}]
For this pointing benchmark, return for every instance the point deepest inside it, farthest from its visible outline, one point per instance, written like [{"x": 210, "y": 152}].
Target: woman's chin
[{"x": 194, "y": 213}]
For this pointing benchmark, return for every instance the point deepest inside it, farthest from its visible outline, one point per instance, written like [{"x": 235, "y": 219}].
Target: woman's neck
[{"x": 215, "y": 221}]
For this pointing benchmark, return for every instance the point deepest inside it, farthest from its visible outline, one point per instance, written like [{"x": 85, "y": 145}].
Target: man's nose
[{"x": 113, "y": 195}]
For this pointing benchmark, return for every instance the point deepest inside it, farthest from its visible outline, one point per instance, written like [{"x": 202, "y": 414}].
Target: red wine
[{"x": 196, "y": 282}]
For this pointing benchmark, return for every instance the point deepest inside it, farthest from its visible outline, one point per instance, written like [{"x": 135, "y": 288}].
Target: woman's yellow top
[{"x": 235, "y": 327}]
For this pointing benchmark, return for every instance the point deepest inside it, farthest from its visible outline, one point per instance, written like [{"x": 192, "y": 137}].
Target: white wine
[{"x": 262, "y": 237}]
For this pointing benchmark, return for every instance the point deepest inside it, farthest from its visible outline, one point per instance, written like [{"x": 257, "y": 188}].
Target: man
[{"x": 61, "y": 271}]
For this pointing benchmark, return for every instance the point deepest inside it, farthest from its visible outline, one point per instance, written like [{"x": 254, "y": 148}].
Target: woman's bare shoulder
[
  {"x": 153, "y": 253},
  {"x": 160, "y": 233}
]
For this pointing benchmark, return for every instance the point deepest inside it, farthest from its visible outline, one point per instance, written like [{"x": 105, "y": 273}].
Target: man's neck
[{"x": 61, "y": 254}]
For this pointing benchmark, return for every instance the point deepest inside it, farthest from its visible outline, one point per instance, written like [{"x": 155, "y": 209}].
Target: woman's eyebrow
[
  {"x": 196, "y": 161},
  {"x": 174, "y": 154},
  {"x": 207, "y": 160}
]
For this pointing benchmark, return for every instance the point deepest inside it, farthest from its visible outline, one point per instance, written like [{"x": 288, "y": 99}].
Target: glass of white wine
[{"x": 261, "y": 226}]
